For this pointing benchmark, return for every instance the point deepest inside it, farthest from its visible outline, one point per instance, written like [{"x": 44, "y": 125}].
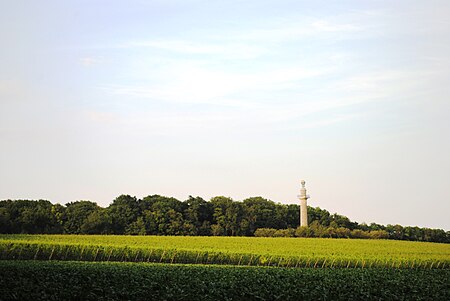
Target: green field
[
  {"x": 43, "y": 280},
  {"x": 282, "y": 252},
  {"x": 62, "y": 267}
]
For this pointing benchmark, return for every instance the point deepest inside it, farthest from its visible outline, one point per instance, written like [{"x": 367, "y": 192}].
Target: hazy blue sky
[{"x": 234, "y": 98}]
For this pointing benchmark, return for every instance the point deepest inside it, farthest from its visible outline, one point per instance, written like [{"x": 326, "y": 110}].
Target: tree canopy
[{"x": 221, "y": 216}]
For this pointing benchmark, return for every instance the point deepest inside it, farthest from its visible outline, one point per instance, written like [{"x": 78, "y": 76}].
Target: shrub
[
  {"x": 304, "y": 232},
  {"x": 284, "y": 233},
  {"x": 378, "y": 234},
  {"x": 265, "y": 232},
  {"x": 359, "y": 234}
]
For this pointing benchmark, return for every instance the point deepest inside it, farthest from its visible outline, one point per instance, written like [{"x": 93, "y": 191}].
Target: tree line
[{"x": 220, "y": 216}]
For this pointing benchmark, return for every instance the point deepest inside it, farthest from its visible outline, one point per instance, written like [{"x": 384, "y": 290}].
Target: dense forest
[{"x": 221, "y": 216}]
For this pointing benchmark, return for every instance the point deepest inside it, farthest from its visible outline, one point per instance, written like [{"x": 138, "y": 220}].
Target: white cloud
[
  {"x": 226, "y": 50},
  {"x": 293, "y": 31},
  {"x": 245, "y": 43},
  {"x": 325, "y": 26},
  {"x": 196, "y": 84},
  {"x": 241, "y": 92}
]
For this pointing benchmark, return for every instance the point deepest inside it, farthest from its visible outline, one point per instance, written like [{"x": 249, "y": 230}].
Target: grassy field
[
  {"x": 43, "y": 280},
  {"x": 63, "y": 267},
  {"x": 282, "y": 252}
]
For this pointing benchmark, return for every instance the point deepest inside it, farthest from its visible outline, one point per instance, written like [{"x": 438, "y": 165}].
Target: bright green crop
[{"x": 286, "y": 252}]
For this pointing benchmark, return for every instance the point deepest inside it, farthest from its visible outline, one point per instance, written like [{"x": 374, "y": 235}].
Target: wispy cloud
[
  {"x": 196, "y": 84},
  {"x": 295, "y": 112},
  {"x": 237, "y": 50},
  {"x": 294, "y": 31},
  {"x": 244, "y": 43}
]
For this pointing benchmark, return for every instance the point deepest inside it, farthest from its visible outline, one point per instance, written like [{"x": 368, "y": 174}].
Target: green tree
[
  {"x": 198, "y": 215},
  {"x": 123, "y": 211},
  {"x": 5, "y": 222},
  {"x": 59, "y": 213},
  {"x": 343, "y": 221},
  {"x": 98, "y": 222},
  {"x": 259, "y": 213},
  {"x": 227, "y": 215},
  {"x": 75, "y": 215},
  {"x": 36, "y": 217},
  {"x": 164, "y": 215},
  {"x": 137, "y": 227},
  {"x": 320, "y": 215}
]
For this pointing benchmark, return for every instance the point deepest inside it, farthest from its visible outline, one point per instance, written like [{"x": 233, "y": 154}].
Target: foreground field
[
  {"x": 283, "y": 252},
  {"x": 41, "y": 280}
]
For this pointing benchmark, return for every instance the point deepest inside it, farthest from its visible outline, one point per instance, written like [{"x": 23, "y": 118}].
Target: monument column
[{"x": 303, "y": 206}]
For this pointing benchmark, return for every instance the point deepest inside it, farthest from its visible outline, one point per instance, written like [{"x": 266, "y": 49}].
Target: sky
[{"x": 233, "y": 98}]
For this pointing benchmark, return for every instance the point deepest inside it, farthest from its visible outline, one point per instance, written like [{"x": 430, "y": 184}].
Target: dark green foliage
[
  {"x": 24, "y": 216},
  {"x": 34, "y": 280},
  {"x": 76, "y": 214},
  {"x": 98, "y": 222},
  {"x": 123, "y": 211},
  {"x": 221, "y": 216},
  {"x": 198, "y": 215},
  {"x": 317, "y": 230}
]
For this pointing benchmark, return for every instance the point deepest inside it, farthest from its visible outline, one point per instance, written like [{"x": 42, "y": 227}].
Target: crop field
[
  {"x": 240, "y": 251},
  {"x": 81, "y": 267},
  {"x": 44, "y": 280}
]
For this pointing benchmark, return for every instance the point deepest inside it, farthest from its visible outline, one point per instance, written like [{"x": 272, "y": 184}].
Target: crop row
[
  {"x": 85, "y": 252},
  {"x": 280, "y": 246},
  {"x": 43, "y": 280}
]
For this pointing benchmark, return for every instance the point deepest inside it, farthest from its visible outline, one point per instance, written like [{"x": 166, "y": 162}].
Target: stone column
[{"x": 303, "y": 206}]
